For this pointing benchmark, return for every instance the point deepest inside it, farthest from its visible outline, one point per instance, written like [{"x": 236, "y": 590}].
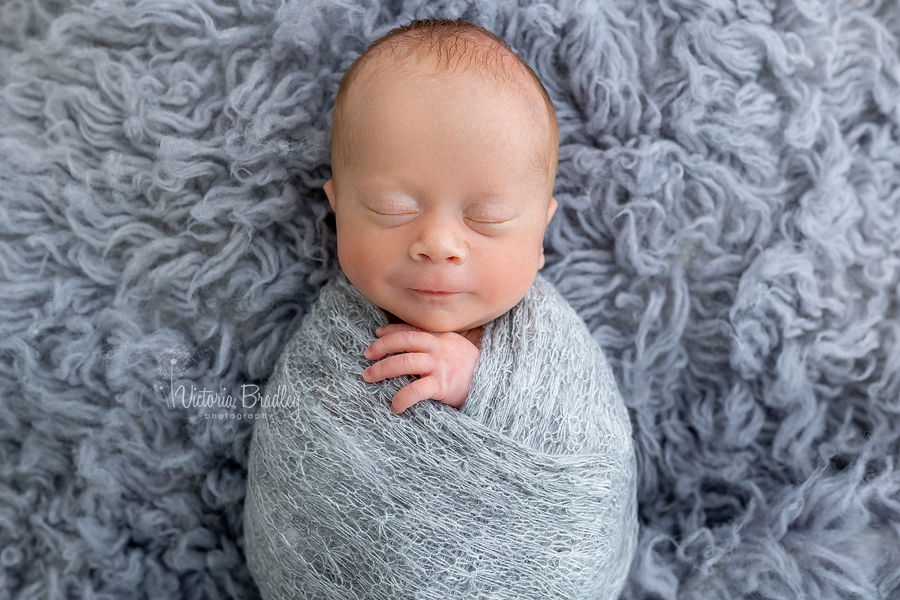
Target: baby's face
[{"x": 441, "y": 213}]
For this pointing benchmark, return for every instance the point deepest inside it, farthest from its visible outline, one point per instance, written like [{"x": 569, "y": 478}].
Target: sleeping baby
[
  {"x": 444, "y": 165},
  {"x": 518, "y": 482}
]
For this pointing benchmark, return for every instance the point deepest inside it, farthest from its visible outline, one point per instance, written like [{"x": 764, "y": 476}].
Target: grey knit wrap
[{"x": 527, "y": 492}]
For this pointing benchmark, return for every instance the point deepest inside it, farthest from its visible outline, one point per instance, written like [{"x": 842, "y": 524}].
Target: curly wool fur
[
  {"x": 729, "y": 192},
  {"x": 527, "y": 492}
]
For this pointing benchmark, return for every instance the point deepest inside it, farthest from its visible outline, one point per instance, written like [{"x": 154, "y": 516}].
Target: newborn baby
[{"x": 444, "y": 159}]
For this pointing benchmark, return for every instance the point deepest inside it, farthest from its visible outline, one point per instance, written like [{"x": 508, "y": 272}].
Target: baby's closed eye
[
  {"x": 490, "y": 213},
  {"x": 394, "y": 210}
]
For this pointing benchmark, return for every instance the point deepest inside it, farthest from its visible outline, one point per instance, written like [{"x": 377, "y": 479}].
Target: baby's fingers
[
  {"x": 383, "y": 331},
  {"x": 404, "y": 340},
  {"x": 418, "y": 390},
  {"x": 408, "y": 363}
]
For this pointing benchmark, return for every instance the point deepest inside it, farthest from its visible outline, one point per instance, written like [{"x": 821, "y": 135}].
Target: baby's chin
[{"x": 436, "y": 323}]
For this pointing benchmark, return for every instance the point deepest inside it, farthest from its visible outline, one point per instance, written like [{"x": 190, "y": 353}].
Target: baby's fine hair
[{"x": 453, "y": 44}]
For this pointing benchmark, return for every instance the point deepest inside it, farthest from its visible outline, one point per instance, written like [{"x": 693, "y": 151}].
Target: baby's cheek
[
  {"x": 513, "y": 280},
  {"x": 359, "y": 266}
]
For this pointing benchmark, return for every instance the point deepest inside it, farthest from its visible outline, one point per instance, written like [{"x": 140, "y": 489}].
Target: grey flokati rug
[{"x": 729, "y": 230}]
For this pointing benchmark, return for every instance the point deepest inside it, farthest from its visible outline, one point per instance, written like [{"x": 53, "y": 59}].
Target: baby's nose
[{"x": 440, "y": 243}]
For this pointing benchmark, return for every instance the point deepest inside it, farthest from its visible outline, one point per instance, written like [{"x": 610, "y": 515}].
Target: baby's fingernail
[
  {"x": 366, "y": 351},
  {"x": 378, "y": 330},
  {"x": 365, "y": 374}
]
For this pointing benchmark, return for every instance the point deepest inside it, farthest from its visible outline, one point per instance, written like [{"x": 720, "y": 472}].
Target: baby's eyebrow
[
  {"x": 380, "y": 185},
  {"x": 488, "y": 198},
  {"x": 492, "y": 206}
]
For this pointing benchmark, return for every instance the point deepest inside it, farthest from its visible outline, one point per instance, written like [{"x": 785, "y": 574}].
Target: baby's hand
[{"x": 445, "y": 363}]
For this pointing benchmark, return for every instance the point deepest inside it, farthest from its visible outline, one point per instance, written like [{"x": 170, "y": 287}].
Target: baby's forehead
[
  {"x": 432, "y": 53},
  {"x": 519, "y": 88},
  {"x": 492, "y": 64}
]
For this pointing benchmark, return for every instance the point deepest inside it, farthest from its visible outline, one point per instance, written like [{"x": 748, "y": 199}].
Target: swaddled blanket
[{"x": 526, "y": 492}]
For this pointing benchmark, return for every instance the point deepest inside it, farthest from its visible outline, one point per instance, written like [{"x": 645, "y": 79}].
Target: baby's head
[{"x": 444, "y": 153}]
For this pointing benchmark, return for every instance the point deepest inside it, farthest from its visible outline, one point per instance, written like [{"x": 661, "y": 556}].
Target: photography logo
[{"x": 172, "y": 363}]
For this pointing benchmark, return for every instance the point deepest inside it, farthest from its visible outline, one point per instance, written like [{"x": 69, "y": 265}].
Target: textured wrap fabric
[{"x": 527, "y": 492}]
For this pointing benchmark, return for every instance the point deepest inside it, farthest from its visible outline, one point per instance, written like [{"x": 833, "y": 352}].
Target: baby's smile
[{"x": 435, "y": 293}]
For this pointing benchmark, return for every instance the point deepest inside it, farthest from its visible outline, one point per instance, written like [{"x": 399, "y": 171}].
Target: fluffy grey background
[{"x": 729, "y": 229}]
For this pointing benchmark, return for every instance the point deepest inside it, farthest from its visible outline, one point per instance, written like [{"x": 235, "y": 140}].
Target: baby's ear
[
  {"x": 329, "y": 191},
  {"x": 550, "y": 210}
]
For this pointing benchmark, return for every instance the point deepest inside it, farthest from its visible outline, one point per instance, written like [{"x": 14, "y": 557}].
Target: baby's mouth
[{"x": 433, "y": 293}]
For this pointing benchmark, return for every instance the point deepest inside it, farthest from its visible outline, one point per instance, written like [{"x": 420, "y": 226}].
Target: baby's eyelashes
[
  {"x": 491, "y": 212},
  {"x": 393, "y": 208},
  {"x": 394, "y": 217}
]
